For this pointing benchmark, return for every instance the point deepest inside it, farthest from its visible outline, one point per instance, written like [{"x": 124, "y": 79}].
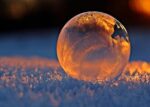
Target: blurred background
[{"x": 31, "y": 27}]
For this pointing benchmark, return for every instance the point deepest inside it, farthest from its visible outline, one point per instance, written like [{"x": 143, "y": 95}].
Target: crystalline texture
[{"x": 93, "y": 46}]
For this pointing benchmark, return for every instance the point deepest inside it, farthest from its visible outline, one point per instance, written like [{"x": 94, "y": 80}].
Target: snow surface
[{"x": 39, "y": 82}]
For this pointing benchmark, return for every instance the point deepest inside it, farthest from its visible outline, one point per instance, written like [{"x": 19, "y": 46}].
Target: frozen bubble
[{"x": 93, "y": 46}]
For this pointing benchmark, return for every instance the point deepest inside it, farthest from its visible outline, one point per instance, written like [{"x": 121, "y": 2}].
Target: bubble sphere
[{"x": 93, "y": 46}]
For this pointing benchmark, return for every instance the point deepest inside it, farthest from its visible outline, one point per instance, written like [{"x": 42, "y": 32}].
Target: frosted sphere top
[{"x": 93, "y": 46}]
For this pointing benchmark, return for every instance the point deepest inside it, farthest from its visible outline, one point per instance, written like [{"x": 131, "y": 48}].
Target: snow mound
[{"x": 39, "y": 82}]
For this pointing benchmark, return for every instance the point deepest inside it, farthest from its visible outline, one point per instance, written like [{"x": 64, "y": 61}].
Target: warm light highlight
[
  {"x": 141, "y": 6},
  {"x": 137, "y": 72},
  {"x": 139, "y": 67}
]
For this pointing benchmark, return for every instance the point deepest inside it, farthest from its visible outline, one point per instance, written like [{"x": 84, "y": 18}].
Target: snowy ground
[{"x": 40, "y": 81}]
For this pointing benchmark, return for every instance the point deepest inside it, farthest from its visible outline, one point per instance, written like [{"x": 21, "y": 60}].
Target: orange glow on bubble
[
  {"x": 141, "y": 6},
  {"x": 88, "y": 47}
]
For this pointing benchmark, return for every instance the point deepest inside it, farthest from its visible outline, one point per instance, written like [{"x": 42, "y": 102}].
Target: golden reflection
[
  {"x": 88, "y": 50},
  {"x": 139, "y": 67},
  {"x": 137, "y": 72}
]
